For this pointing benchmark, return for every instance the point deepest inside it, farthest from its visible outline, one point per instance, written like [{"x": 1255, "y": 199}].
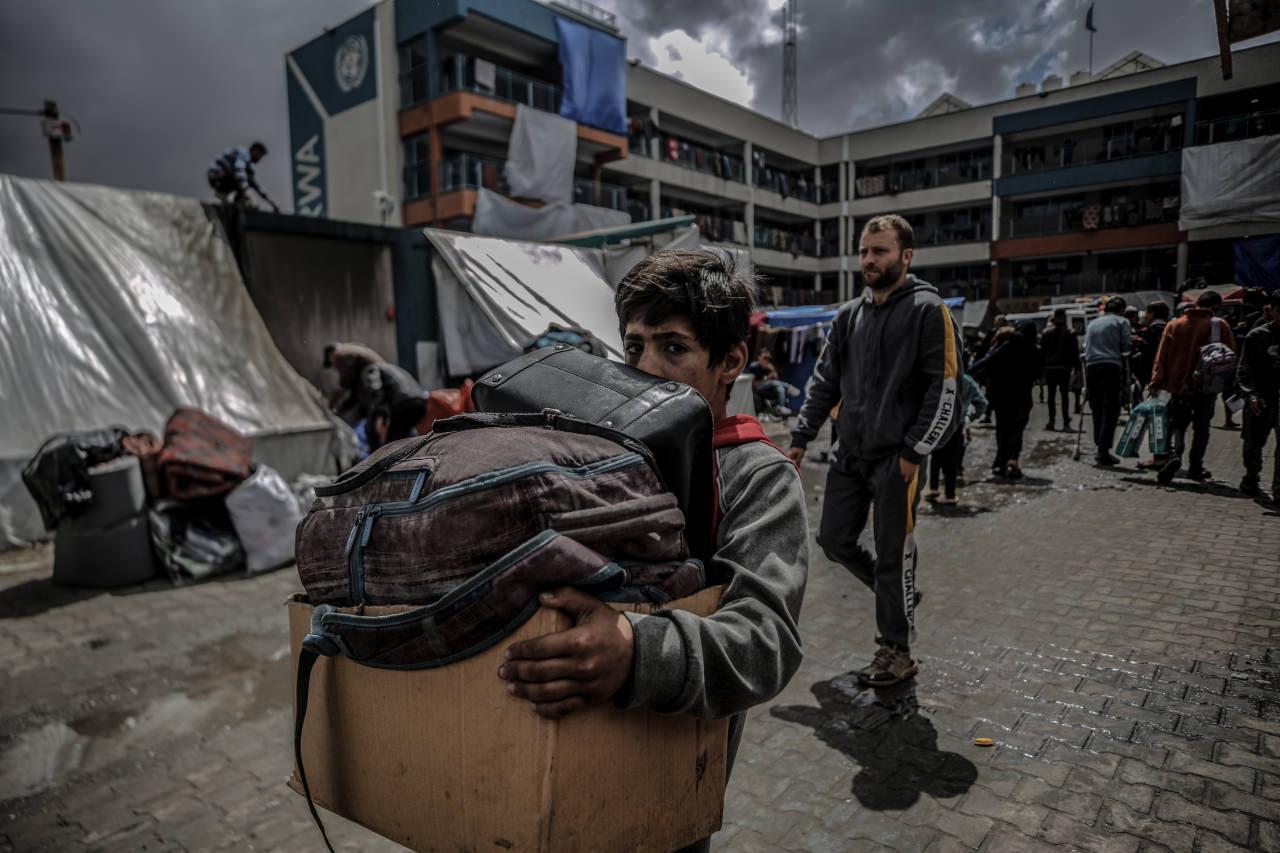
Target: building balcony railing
[
  {"x": 788, "y": 184},
  {"x": 868, "y": 186},
  {"x": 781, "y": 240},
  {"x": 1080, "y": 284},
  {"x": 1091, "y": 218},
  {"x": 1068, "y": 153},
  {"x": 1237, "y": 127},
  {"x": 417, "y": 181},
  {"x": 700, "y": 158},
  {"x": 471, "y": 172},
  {"x": 717, "y": 229},
  {"x": 612, "y": 196},
  {"x": 461, "y": 73},
  {"x": 946, "y": 235}
]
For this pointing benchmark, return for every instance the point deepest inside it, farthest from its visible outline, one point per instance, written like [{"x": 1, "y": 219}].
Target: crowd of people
[{"x": 1187, "y": 363}]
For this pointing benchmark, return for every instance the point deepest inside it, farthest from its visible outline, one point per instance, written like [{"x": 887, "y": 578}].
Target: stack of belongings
[
  {"x": 90, "y": 490},
  {"x": 1149, "y": 418},
  {"x": 423, "y": 562},
  {"x": 218, "y": 512}
]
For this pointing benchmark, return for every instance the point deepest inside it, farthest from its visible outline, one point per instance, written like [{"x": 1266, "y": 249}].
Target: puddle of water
[
  {"x": 42, "y": 758},
  {"x": 38, "y": 759}
]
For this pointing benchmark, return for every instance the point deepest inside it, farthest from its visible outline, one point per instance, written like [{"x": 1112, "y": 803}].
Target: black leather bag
[{"x": 670, "y": 418}]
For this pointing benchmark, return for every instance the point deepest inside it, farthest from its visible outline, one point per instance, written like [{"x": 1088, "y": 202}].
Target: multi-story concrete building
[{"x": 405, "y": 111}]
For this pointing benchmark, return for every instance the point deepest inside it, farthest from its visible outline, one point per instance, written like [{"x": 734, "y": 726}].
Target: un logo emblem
[{"x": 351, "y": 62}]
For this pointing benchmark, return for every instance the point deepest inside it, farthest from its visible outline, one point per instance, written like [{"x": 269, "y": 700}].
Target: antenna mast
[{"x": 790, "y": 104}]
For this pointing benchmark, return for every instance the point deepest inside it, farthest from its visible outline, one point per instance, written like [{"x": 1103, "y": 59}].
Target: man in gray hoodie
[{"x": 893, "y": 362}]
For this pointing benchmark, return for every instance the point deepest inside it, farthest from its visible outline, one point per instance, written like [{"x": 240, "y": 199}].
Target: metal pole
[
  {"x": 55, "y": 143},
  {"x": 1224, "y": 39},
  {"x": 1091, "y": 54}
]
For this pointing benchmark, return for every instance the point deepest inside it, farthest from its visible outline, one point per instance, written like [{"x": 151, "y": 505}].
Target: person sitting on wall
[
  {"x": 765, "y": 383},
  {"x": 231, "y": 175}
]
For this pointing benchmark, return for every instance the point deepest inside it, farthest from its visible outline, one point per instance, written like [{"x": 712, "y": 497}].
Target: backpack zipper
[{"x": 363, "y": 526}]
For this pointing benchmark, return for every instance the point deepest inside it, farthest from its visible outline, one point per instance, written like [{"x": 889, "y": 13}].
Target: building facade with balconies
[{"x": 1057, "y": 192}]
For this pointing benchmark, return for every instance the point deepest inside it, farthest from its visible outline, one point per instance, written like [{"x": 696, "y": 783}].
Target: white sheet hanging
[
  {"x": 1230, "y": 182},
  {"x": 541, "y": 156}
]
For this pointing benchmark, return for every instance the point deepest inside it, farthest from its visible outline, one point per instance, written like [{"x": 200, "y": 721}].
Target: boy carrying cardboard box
[{"x": 684, "y": 315}]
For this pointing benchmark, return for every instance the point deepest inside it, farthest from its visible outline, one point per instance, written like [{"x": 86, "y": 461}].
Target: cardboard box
[{"x": 446, "y": 759}]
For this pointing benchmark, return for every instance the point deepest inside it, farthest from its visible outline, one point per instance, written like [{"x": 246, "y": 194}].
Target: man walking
[
  {"x": 1176, "y": 361},
  {"x": 892, "y": 361},
  {"x": 1061, "y": 356},
  {"x": 1258, "y": 380},
  {"x": 1107, "y": 343}
]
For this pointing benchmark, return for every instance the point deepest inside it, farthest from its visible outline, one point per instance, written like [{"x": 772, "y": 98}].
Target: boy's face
[{"x": 672, "y": 350}]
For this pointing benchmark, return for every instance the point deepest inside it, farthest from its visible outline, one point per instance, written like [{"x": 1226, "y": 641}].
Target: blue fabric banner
[
  {"x": 594, "y": 68},
  {"x": 1258, "y": 262}
]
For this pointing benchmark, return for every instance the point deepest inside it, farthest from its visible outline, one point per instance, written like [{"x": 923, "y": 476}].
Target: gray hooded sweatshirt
[
  {"x": 746, "y": 652},
  {"x": 895, "y": 371}
]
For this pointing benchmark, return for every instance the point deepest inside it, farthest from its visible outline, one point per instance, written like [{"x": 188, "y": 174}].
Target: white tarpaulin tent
[
  {"x": 495, "y": 296},
  {"x": 1232, "y": 182},
  {"x": 117, "y": 307}
]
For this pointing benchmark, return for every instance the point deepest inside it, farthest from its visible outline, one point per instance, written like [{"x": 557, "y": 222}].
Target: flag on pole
[{"x": 1088, "y": 20}]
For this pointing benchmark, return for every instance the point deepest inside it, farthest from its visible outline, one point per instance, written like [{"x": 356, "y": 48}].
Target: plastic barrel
[
  {"x": 104, "y": 557},
  {"x": 119, "y": 494}
]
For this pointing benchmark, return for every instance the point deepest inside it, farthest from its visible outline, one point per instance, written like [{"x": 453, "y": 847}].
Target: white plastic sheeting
[
  {"x": 117, "y": 307},
  {"x": 498, "y": 216},
  {"x": 541, "y": 155},
  {"x": 1231, "y": 182},
  {"x": 495, "y": 296}
]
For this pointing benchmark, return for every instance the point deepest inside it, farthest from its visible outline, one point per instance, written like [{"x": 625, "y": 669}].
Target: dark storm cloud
[
  {"x": 159, "y": 87},
  {"x": 869, "y": 62}
]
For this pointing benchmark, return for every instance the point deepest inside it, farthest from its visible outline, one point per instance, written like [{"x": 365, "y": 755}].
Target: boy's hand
[
  {"x": 569, "y": 670},
  {"x": 795, "y": 454},
  {"x": 907, "y": 468}
]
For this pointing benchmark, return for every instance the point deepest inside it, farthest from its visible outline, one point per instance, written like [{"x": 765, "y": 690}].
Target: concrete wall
[
  {"x": 654, "y": 89},
  {"x": 978, "y": 192}
]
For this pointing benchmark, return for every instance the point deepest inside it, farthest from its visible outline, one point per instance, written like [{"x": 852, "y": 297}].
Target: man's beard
[{"x": 888, "y": 276}]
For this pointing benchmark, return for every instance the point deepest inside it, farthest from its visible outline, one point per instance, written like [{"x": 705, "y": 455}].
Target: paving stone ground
[{"x": 1118, "y": 641}]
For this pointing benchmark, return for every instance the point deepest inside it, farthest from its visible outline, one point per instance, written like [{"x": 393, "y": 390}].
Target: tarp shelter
[
  {"x": 118, "y": 307},
  {"x": 495, "y": 296}
]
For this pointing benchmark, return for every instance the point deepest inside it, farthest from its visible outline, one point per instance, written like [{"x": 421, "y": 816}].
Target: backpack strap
[{"x": 1215, "y": 330}]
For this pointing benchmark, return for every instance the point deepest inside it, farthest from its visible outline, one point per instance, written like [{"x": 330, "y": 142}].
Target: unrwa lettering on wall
[{"x": 308, "y": 186}]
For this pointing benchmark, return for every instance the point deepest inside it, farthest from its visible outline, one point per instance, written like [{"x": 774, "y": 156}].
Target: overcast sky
[{"x": 159, "y": 87}]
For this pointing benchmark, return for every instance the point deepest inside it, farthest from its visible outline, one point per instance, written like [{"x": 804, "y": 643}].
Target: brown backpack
[{"x": 470, "y": 523}]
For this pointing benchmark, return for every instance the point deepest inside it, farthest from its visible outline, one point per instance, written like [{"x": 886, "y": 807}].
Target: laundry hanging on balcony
[
  {"x": 1231, "y": 182},
  {"x": 594, "y": 75},
  {"x": 541, "y": 156}
]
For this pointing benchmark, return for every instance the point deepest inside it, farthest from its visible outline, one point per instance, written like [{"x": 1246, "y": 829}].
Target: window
[
  {"x": 413, "y": 72},
  {"x": 417, "y": 167}
]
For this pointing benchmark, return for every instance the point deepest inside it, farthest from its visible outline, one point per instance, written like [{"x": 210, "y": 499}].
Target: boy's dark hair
[
  {"x": 895, "y": 223},
  {"x": 1209, "y": 299},
  {"x": 700, "y": 284},
  {"x": 1159, "y": 310},
  {"x": 1115, "y": 305}
]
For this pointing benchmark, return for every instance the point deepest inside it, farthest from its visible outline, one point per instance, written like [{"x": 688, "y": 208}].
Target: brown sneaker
[{"x": 890, "y": 666}]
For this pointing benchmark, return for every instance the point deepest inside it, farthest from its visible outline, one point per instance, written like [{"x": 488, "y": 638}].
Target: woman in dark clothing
[{"x": 1010, "y": 370}]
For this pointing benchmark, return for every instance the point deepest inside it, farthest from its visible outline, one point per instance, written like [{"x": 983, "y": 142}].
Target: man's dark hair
[
  {"x": 895, "y": 223},
  {"x": 1060, "y": 315},
  {"x": 1272, "y": 299},
  {"x": 1159, "y": 310},
  {"x": 328, "y": 354},
  {"x": 764, "y": 351},
  {"x": 1116, "y": 305},
  {"x": 1209, "y": 299},
  {"x": 700, "y": 284},
  {"x": 258, "y": 146}
]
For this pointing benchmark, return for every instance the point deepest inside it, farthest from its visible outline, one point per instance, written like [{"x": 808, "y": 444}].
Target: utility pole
[
  {"x": 54, "y": 130},
  {"x": 790, "y": 103}
]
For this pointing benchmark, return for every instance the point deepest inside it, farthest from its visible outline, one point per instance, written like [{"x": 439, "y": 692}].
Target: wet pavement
[{"x": 1118, "y": 643}]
